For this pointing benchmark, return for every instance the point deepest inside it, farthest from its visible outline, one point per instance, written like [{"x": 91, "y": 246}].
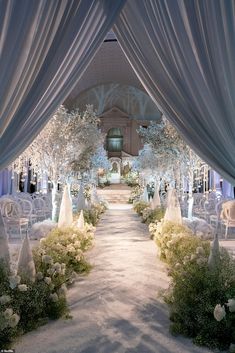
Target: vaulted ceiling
[{"x": 110, "y": 81}]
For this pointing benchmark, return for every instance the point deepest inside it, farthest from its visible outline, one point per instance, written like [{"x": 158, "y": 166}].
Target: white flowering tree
[
  {"x": 174, "y": 157},
  {"x": 100, "y": 161},
  {"x": 64, "y": 147}
]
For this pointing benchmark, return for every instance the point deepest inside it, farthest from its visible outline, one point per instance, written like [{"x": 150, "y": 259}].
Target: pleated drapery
[
  {"x": 183, "y": 52},
  {"x": 45, "y": 46}
]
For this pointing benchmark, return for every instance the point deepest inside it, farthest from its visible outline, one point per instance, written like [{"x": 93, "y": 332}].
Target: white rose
[
  {"x": 8, "y": 313},
  {"x": 47, "y": 280},
  {"x": 219, "y": 312},
  {"x": 54, "y": 297},
  {"x": 200, "y": 250},
  {"x": 47, "y": 259},
  {"x": 13, "y": 321},
  {"x": 22, "y": 287},
  {"x": 39, "y": 276},
  {"x": 231, "y": 305},
  {"x": 4, "y": 299}
]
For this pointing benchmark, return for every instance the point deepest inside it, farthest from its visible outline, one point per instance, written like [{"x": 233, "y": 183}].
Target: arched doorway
[{"x": 114, "y": 140}]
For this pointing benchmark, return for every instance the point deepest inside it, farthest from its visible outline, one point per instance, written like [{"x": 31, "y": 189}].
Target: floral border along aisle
[
  {"x": 201, "y": 296},
  {"x": 26, "y": 303}
]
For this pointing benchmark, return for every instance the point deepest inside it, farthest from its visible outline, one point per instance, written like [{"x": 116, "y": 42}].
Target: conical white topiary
[
  {"x": 4, "y": 247},
  {"x": 81, "y": 203},
  {"x": 66, "y": 210},
  {"x": 145, "y": 196},
  {"x": 214, "y": 257},
  {"x": 81, "y": 221},
  {"x": 26, "y": 266},
  {"x": 173, "y": 211},
  {"x": 156, "y": 197}
]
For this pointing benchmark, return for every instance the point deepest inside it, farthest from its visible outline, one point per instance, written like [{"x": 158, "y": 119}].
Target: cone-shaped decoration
[
  {"x": 81, "y": 222},
  {"x": 145, "y": 196},
  {"x": 4, "y": 248},
  {"x": 66, "y": 210},
  {"x": 214, "y": 257},
  {"x": 173, "y": 211},
  {"x": 26, "y": 266},
  {"x": 81, "y": 203},
  {"x": 156, "y": 198}
]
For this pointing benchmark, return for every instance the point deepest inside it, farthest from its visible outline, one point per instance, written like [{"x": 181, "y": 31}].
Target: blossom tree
[
  {"x": 174, "y": 157},
  {"x": 100, "y": 161},
  {"x": 64, "y": 147}
]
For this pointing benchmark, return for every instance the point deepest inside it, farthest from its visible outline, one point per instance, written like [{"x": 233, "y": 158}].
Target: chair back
[{"x": 228, "y": 211}]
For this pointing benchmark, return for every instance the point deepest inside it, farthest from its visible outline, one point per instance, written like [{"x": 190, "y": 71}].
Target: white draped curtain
[
  {"x": 45, "y": 46},
  {"x": 183, "y": 52}
]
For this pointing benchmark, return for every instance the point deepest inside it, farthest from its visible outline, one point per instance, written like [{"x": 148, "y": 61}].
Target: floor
[{"x": 117, "y": 308}]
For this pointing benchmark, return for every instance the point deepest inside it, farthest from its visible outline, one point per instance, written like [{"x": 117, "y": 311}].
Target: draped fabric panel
[
  {"x": 183, "y": 52},
  {"x": 45, "y": 46}
]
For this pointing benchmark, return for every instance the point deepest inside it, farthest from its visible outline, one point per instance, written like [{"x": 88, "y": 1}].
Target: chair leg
[{"x": 226, "y": 232}]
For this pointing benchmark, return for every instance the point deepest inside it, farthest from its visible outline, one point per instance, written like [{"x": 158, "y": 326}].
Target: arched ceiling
[
  {"x": 131, "y": 100},
  {"x": 111, "y": 78}
]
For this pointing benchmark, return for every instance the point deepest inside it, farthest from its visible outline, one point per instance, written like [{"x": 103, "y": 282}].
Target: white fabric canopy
[
  {"x": 183, "y": 52},
  {"x": 45, "y": 46}
]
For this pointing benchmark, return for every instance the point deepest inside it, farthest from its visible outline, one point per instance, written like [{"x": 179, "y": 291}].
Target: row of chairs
[
  {"x": 20, "y": 211},
  {"x": 215, "y": 209}
]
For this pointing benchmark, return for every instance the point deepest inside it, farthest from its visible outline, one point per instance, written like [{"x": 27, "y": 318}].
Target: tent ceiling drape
[
  {"x": 45, "y": 46},
  {"x": 183, "y": 52}
]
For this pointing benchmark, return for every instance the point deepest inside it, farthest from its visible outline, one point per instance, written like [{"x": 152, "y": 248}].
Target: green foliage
[
  {"x": 195, "y": 289},
  {"x": 195, "y": 292},
  {"x": 150, "y": 216},
  {"x": 25, "y": 305},
  {"x": 131, "y": 179},
  {"x": 135, "y": 194},
  {"x": 66, "y": 246},
  {"x": 140, "y": 206},
  {"x": 167, "y": 232},
  {"x": 92, "y": 216}
]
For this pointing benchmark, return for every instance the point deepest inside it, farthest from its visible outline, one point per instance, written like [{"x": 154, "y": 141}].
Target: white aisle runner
[{"x": 115, "y": 308}]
